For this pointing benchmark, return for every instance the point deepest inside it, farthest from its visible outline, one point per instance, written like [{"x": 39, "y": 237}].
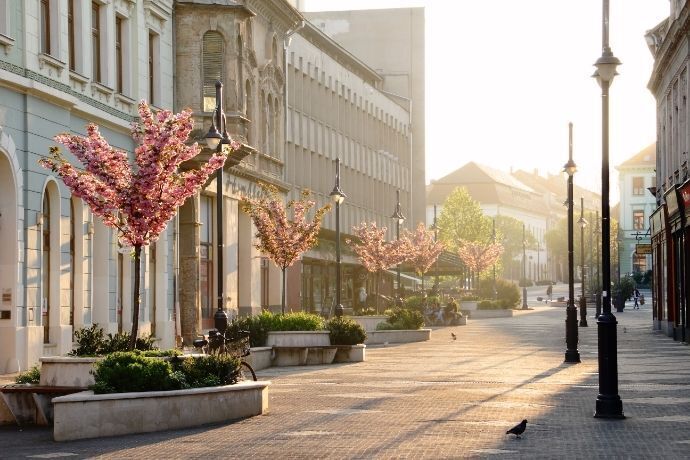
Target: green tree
[
  {"x": 462, "y": 219},
  {"x": 509, "y": 234}
]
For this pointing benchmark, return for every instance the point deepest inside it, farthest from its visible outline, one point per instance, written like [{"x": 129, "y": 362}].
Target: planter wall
[
  {"x": 369, "y": 323},
  {"x": 350, "y": 353},
  {"x": 298, "y": 339},
  {"x": 85, "y": 415},
  {"x": 397, "y": 336},
  {"x": 67, "y": 371},
  {"x": 469, "y": 305},
  {"x": 260, "y": 358}
]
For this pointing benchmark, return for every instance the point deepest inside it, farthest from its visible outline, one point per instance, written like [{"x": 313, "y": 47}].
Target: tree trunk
[
  {"x": 282, "y": 301},
  {"x": 137, "y": 298},
  {"x": 378, "y": 291}
]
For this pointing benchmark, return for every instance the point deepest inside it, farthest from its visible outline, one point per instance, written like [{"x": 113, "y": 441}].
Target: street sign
[{"x": 643, "y": 248}]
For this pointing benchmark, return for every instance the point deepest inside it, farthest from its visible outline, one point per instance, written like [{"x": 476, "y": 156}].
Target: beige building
[
  {"x": 337, "y": 109},
  {"x": 390, "y": 41}
]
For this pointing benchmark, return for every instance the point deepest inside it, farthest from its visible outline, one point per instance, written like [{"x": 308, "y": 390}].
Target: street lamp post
[
  {"x": 608, "y": 403},
  {"x": 597, "y": 232},
  {"x": 216, "y": 138},
  {"x": 338, "y": 197},
  {"x": 571, "y": 353},
  {"x": 524, "y": 277},
  {"x": 436, "y": 286},
  {"x": 399, "y": 219},
  {"x": 493, "y": 240},
  {"x": 582, "y": 222}
]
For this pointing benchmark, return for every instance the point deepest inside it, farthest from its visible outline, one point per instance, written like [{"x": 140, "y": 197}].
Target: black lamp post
[
  {"x": 338, "y": 197},
  {"x": 608, "y": 404},
  {"x": 435, "y": 263},
  {"x": 493, "y": 240},
  {"x": 571, "y": 353},
  {"x": 216, "y": 137},
  {"x": 524, "y": 277},
  {"x": 582, "y": 222},
  {"x": 597, "y": 232},
  {"x": 399, "y": 219}
]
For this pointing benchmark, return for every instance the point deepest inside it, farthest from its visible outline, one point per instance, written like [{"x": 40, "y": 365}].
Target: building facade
[
  {"x": 338, "y": 109},
  {"x": 669, "y": 221},
  {"x": 636, "y": 177},
  {"x": 64, "y": 64}
]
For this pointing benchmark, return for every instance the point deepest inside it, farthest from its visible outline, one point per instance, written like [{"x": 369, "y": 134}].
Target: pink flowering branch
[
  {"x": 137, "y": 202},
  {"x": 424, "y": 251},
  {"x": 479, "y": 256},
  {"x": 283, "y": 239}
]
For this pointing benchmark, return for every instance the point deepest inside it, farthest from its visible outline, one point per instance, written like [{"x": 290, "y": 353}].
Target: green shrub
[
  {"x": 344, "y": 331},
  {"x": 122, "y": 372},
  {"x": 525, "y": 282},
  {"x": 365, "y": 311},
  {"x": 505, "y": 290},
  {"x": 469, "y": 297},
  {"x": 32, "y": 375},
  {"x": 257, "y": 325},
  {"x": 416, "y": 302},
  {"x": 544, "y": 282},
  {"x": 90, "y": 341},
  {"x": 500, "y": 304},
  {"x": 206, "y": 371},
  {"x": 297, "y": 321},
  {"x": 402, "y": 318}
]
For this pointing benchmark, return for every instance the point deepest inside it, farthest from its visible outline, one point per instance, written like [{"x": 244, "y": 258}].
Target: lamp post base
[
  {"x": 339, "y": 310},
  {"x": 608, "y": 404},
  {"x": 583, "y": 312},
  {"x": 572, "y": 355},
  {"x": 524, "y": 298}
]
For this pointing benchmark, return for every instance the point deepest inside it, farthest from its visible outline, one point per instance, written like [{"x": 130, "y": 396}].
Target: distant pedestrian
[
  {"x": 362, "y": 297},
  {"x": 636, "y": 296},
  {"x": 549, "y": 292}
]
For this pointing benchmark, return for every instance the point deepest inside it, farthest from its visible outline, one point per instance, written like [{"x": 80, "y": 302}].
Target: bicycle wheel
[{"x": 246, "y": 370}]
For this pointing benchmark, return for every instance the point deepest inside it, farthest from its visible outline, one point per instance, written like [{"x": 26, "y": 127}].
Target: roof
[
  {"x": 475, "y": 173},
  {"x": 642, "y": 159}
]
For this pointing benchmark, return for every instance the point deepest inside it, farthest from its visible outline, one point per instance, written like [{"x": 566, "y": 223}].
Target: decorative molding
[
  {"x": 125, "y": 6},
  {"x": 51, "y": 63},
  {"x": 157, "y": 13},
  {"x": 101, "y": 91},
  {"x": 77, "y": 79},
  {"x": 7, "y": 43}
]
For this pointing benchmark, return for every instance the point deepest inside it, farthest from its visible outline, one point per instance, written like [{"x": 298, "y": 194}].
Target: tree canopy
[{"x": 462, "y": 219}]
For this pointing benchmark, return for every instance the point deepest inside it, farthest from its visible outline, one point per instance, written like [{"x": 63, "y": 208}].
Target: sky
[{"x": 505, "y": 77}]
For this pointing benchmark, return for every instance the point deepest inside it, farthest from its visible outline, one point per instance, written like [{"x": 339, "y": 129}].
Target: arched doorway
[
  {"x": 50, "y": 264},
  {"x": 12, "y": 358}
]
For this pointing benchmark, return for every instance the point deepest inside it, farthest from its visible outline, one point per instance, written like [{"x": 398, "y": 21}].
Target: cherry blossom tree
[
  {"x": 423, "y": 249},
  {"x": 136, "y": 200},
  {"x": 281, "y": 239},
  {"x": 478, "y": 256},
  {"x": 375, "y": 253}
]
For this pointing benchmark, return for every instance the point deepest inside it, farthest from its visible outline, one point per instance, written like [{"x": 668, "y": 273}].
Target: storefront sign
[
  {"x": 671, "y": 198},
  {"x": 684, "y": 197},
  {"x": 656, "y": 221},
  {"x": 643, "y": 248}
]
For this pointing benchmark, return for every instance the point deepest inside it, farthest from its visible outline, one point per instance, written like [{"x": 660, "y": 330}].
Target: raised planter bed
[
  {"x": 397, "y": 336},
  {"x": 85, "y": 415},
  {"x": 303, "y": 356},
  {"x": 260, "y": 358},
  {"x": 350, "y": 353},
  {"x": 369, "y": 323},
  {"x": 67, "y": 371},
  {"x": 298, "y": 339},
  {"x": 469, "y": 305}
]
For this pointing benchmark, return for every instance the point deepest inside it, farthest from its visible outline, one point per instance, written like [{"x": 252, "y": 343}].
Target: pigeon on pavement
[
  {"x": 518, "y": 429},
  {"x": 455, "y": 337}
]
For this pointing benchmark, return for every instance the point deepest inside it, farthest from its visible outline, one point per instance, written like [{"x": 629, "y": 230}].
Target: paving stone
[{"x": 443, "y": 399}]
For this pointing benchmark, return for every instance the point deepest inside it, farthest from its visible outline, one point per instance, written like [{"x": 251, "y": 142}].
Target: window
[
  {"x": 71, "y": 35},
  {"x": 205, "y": 252},
  {"x": 153, "y": 68},
  {"x": 4, "y": 19},
  {"x": 95, "y": 42},
  {"x": 118, "y": 54},
  {"x": 45, "y": 26},
  {"x": 638, "y": 220},
  {"x": 212, "y": 67},
  {"x": 638, "y": 186}
]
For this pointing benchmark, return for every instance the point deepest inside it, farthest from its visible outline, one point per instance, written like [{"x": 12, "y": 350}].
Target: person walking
[
  {"x": 636, "y": 295},
  {"x": 549, "y": 292}
]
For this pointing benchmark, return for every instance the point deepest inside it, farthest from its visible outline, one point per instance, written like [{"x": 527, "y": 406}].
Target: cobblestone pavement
[{"x": 443, "y": 399}]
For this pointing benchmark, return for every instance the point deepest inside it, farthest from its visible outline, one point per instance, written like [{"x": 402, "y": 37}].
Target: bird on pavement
[
  {"x": 518, "y": 429},
  {"x": 455, "y": 337}
]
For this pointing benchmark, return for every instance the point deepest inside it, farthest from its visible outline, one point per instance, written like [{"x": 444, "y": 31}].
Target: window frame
[
  {"x": 638, "y": 222},
  {"x": 96, "y": 29},
  {"x": 637, "y": 189}
]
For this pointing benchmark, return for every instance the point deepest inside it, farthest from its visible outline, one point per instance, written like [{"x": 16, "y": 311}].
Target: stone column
[{"x": 189, "y": 284}]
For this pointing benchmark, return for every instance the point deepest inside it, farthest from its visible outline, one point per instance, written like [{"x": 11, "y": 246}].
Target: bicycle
[{"x": 236, "y": 345}]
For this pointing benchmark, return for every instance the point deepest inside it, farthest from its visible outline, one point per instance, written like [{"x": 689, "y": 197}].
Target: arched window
[
  {"x": 276, "y": 127},
  {"x": 274, "y": 52},
  {"x": 45, "y": 279},
  {"x": 269, "y": 127},
  {"x": 240, "y": 73},
  {"x": 263, "y": 138},
  {"x": 212, "y": 67}
]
